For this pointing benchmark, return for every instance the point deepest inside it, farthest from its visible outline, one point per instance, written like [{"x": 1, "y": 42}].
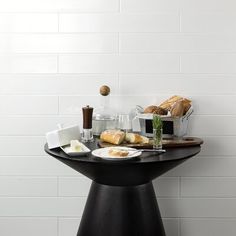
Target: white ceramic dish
[
  {"x": 104, "y": 153},
  {"x": 67, "y": 149}
]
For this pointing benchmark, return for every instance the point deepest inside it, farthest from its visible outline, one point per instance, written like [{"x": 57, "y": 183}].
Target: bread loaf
[
  {"x": 136, "y": 138},
  {"x": 113, "y": 136},
  {"x": 169, "y": 103},
  {"x": 177, "y": 109}
]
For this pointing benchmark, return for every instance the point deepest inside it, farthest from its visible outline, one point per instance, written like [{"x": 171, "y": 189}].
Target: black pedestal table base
[{"x": 121, "y": 211}]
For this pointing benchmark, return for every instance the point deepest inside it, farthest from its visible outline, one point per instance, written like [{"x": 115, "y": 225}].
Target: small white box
[{"x": 63, "y": 136}]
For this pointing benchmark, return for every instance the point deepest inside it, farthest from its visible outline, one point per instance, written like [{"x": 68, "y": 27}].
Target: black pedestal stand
[{"x": 121, "y": 211}]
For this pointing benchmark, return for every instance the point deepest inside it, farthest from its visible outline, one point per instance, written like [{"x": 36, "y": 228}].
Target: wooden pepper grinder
[{"x": 87, "y": 124}]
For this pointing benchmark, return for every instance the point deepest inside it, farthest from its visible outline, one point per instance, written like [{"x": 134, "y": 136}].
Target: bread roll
[
  {"x": 150, "y": 109},
  {"x": 155, "y": 110},
  {"x": 136, "y": 138},
  {"x": 113, "y": 136},
  {"x": 160, "y": 111}
]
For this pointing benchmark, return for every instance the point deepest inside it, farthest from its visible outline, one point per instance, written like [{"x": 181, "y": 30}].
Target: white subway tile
[
  {"x": 149, "y": 5},
  {"x": 22, "y": 146},
  {"x": 208, "y": 22},
  {"x": 171, "y": 227},
  {"x": 28, "y": 186},
  {"x": 28, "y": 226},
  {"x": 73, "y": 187},
  {"x": 59, "y": 5},
  {"x": 197, "y": 207},
  {"x": 5, "y": 43},
  {"x": 18, "y": 63},
  {"x": 29, "y": 6},
  {"x": 206, "y": 167},
  {"x": 28, "y": 22},
  {"x": 211, "y": 125},
  {"x": 183, "y": 84},
  {"x": 89, "y": 5},
  {"x": 208, "y": 187},
  {"x": 119, "y": 23},
  {"x": 60, "y": 43},
  {"x": 113, "y": 63},
  {"x": 149, "y": 63},
  {"x": 69, "y": 226},
  {"x": 156, "y": 42},
  {"x": 214, "y": 105},
  {"x": 208, "y": 6},
  {"x": 25, "y": 105},
  {"x": 57, "y": 84},
  {"x": 25, "y": 125},
  {"x": 43, "y": 207},
  {"x": 218, "y": 63},
  {"x": 166, "y": 187},
  {"x": 219, "y": 146},
  {"x": 88, "y": 64},
  {"x": 206, "y": 227},
  {"x": 34, "y": 166}
]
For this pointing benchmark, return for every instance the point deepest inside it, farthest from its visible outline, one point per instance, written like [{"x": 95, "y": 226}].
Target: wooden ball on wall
[{"x": 104, "y": 90}]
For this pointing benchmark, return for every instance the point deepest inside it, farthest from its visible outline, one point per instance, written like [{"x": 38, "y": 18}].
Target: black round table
[{"x": 121, "y": 201}]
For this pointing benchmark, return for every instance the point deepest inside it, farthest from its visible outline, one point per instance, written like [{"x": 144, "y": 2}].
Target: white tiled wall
[{"x": 55, "y": 54}]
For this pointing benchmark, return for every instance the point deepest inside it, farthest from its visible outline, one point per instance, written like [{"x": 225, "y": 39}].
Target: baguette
[
  {"x": 113, "y": 136},
  {"x": 169, "y": 103},
  {"x": 136, "y": 138},
  {"x": 177, "y": 110}
]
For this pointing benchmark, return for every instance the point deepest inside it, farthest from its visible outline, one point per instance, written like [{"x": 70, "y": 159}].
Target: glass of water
[{"x": 124, "y": 122}]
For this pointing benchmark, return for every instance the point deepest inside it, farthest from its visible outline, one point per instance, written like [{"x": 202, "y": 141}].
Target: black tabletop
[
  {"x": 137, "y": 171},
  {"x": 171, "y": 154}
]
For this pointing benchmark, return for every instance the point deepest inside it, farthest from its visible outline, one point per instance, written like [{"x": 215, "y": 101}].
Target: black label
[{"x": 168, "y": 127}]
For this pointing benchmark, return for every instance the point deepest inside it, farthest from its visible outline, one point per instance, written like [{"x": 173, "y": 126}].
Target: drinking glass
[{"x": 124, "y": 122}]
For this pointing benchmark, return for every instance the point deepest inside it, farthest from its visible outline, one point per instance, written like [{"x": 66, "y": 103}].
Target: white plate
[
  {"x": 104, "y": 153},
  {"x": 67, "y": 149}
]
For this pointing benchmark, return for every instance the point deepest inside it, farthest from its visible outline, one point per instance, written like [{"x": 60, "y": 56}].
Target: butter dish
[
  {"x": 76, "y": 148},
  {"x": 62, "y": 136}
]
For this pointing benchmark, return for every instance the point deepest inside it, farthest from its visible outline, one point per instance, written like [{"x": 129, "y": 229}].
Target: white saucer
[{"x": 104, "y": 153}]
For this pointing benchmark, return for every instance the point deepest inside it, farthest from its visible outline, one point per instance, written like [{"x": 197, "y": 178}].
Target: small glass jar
[{"x": 157, "y": 138}]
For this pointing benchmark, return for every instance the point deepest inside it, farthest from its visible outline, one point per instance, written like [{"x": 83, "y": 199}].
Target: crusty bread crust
[
  {"x": 113, "y": 136},
  {"x": 136, "y": 138}
]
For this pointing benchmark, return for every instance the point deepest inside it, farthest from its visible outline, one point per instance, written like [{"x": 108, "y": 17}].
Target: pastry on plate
[
  {"x": 118, "y": 152},
  {"x": 113, "y": 136}
]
